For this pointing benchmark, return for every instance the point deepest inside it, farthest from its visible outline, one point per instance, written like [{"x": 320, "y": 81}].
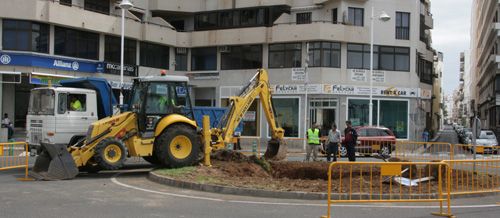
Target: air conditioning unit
[
  {"x": 181, "y": 50},
  {"x": 224, "y": 49}
]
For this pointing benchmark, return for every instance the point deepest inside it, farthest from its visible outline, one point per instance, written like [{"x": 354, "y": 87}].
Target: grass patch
[
  {"x": 175, "y": 172},
  {"x": 206, "y": 179}
]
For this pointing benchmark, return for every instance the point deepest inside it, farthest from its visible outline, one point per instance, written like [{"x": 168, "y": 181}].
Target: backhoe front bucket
[
  {"x": 54, "y": 163},
  {"x": 276, "y": 150}
]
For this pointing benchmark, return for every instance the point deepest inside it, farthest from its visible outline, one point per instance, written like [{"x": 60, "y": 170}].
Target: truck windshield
[{"x": 41, "y": 102}]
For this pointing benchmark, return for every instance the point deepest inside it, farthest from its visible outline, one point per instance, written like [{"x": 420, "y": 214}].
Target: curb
[
  {"x": 234, "y": 190},
  {"x": 154, "y": 177}
]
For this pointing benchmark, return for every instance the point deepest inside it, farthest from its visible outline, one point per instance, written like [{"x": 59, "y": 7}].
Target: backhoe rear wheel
[
  {"x": 178, "y": 146},
  {"x": 110, "y": 154}
]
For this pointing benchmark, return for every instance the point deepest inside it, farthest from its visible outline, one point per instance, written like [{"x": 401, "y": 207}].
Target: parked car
[
  {"x": 488, "y": 140},
  {"x": 372, "y": 139},
  {"x": 463, "y": 134}
]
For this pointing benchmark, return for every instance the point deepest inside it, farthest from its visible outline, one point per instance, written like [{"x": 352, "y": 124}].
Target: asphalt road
[{"x": 127, "y": 193}]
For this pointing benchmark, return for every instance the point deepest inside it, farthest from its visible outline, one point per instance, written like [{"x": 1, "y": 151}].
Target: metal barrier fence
[
  {"x": 474, "y": 176},
  {"x": 466, "y": 151},
  {"x": 15, "y": 155},
  {"x": 423, "y": 151},
  {"x": 390, "y": 182}
]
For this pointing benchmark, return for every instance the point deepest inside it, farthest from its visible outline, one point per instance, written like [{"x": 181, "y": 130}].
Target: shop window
[
  {"x": 204, "y": 58},
  {"x": 304, "y": 18},
  {"x": 287, "y": 55},
  {"x": 250, "y": 121},
  {"x": 394, "y": 116},
  {"x": 112, "y": 50},
  {"x": 402, "y": 25},
  {"x": 181, "y": 59},
  {"x": 19, "y": 35},
  {"x": 100, "y": 6},
  {"x": 154, "y": 55},
  {"x": 242, "y": 57},
  {"x": 358, "y": 112},
  {"x": 76, "y": 43},
  {"x": 287, "y": 115},
  {"x": 77, "y": 102},
  {"x": 324, "y": 54},
  {"x": 356, "y": 16}
]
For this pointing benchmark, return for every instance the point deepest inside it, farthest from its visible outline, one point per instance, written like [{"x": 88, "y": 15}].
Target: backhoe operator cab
[{"x": 164, "y": 113}]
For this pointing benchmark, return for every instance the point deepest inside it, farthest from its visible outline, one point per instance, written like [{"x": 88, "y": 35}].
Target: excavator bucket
[
  {"x": 54, "y": 163},
  {"x": 276, "y": 150}
]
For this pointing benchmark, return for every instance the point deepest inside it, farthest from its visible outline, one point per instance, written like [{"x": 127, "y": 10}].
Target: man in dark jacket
[{"x": 350, "y": 138}]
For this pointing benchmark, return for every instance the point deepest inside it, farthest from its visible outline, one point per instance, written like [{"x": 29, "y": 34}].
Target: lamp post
[
  {"x": 383, "y": 17},
  {"x": 124, "y": 5}
]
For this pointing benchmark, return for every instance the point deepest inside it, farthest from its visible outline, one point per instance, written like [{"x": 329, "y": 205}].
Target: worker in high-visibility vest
[{"x": 313, "y": 142}]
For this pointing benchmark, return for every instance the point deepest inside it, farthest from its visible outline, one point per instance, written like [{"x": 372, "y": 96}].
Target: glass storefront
[
  {"x": 392, "y": 114},
  {"x": 358, "y": 112},
  {"x": 287, "y": 115},
  {"x": 250, "y": 120}
]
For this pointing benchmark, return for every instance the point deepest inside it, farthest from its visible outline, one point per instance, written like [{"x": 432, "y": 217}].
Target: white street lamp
[
  {"x": 383, "y": 17},
  {"x": 124, "y": 5}
]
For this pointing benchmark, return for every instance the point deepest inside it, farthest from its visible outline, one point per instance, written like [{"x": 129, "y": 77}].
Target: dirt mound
[
  {"x": 229, "y": 155},
  {"x": 300, "y": 170},
  {"x": 241, "y": 169}
]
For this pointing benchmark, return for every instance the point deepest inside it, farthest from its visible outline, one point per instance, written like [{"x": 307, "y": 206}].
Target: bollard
[
  {"x": 254, "y": 147},
  {"x": 206, "y": 140}
]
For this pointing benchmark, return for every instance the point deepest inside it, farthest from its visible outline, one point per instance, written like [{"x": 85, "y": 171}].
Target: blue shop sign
[{"x": 50, "y": 62}]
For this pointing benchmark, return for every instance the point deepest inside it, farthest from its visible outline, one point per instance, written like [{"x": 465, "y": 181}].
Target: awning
[
  {"x": 45, "y": 78},
  {"x": 10, "y": 77}
]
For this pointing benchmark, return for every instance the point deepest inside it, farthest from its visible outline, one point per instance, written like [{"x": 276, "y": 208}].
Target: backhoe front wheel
[
  {"x": 110, "y": 154},
  {"x": 178, "y": 146}
]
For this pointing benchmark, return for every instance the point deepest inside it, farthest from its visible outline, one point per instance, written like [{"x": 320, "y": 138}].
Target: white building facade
[
  {"x": 219, "y": 44},
  {"x": 485, "y": 60}
]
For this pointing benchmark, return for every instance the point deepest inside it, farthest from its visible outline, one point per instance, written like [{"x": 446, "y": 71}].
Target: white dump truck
[{"x": 62, "y": 115}]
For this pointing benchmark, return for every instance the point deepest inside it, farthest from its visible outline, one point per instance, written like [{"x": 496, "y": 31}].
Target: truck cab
[
  {"x": 62, "y": 115},
  {"x": 54, "y": 116}
]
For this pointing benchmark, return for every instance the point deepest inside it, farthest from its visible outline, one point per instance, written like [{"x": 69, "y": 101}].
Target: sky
[{"x": 451, "y": 35}]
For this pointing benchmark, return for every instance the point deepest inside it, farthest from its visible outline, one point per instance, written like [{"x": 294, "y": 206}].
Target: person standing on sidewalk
[
  {"x": 313, "y": 142},
  {"x": 350, "y": 138},
  {"x": 425, "y": 137},
  {"x": 333, "y": 143}
]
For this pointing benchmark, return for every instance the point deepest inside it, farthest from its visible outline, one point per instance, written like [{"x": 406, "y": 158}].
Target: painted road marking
[{"x": 115, "y": 181}]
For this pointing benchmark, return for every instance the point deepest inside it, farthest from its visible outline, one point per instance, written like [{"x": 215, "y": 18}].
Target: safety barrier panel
[
  {"x": 15, "y": 155},
  {"x": 423, "y": 151},
  {"x": 474, "y": 176},
  {"x": 369, "y": 147},
  {"x": 466, "y": 151},
  {"x": 390, "y": 182}
]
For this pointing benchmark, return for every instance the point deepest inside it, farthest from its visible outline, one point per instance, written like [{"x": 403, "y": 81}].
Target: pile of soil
[{"x": 230, "y": 168}]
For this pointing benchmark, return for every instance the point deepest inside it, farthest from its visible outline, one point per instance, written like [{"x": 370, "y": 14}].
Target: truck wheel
[
  {"x": 110, "y": 154},
  {"x": 178, "y": 146}
]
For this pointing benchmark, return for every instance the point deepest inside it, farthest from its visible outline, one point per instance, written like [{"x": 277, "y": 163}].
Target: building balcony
[
  {"x": 192, "y": 6},
  {"x": 427, "y": 20},
  {"x": 319, "y": 31}
]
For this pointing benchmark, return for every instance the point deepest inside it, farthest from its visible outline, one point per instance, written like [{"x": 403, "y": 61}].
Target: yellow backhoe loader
[{"x": 160, "y": 128}]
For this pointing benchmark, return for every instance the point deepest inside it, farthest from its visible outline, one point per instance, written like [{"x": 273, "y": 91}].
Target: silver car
[{"x": 488, "y": 139}]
